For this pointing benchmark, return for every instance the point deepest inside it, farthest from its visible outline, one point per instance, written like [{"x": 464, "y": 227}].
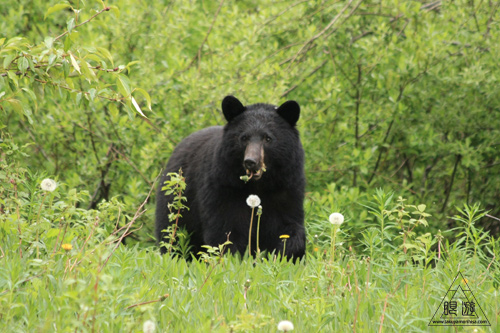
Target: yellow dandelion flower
[
  {"x": 316, "y": 249},
  {"x": 465, "y": 281},
  {"x": 67, "y": 247},
  {"x": 285, "y": 236}
]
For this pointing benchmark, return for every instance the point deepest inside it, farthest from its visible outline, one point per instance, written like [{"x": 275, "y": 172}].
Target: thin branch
[
  {"x": 161, "y": 299},
  {"x": 488, "y": 24},
  {"x": 492, "y": 217},
  {"x": 138, "y": 213},
  {"x": 283, "y": 12},
  {"x": 487, "y": 269},
  {"x": 364, "y": 34},
  {"x": 133, "y": 166},
  {"x": 401, "y": 90},
  {"x": 198, "y": 54},
  {"x": 448, "y": 191},
  {"x": 78, "y": 25},
  {"x": 304, "y": 78},
  {"x": 318, "y": 35}
]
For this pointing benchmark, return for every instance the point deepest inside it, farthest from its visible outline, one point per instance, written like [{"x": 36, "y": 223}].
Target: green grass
[
  {"x": 238, "y": 294},
  {"x": 395, "y": 288}
]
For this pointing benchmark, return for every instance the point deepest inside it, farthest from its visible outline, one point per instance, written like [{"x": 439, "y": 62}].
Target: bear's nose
[{"x": 250, "y": 164}]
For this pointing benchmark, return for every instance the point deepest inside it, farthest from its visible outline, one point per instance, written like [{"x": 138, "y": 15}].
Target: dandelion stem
[
  {"x": 38, "y": 227},
  {"x": 334, "y": 236},
  {"x": 18, "y": 222},
  {"x": 258, "y": 233},
  {"x": 250, "y": 234}
]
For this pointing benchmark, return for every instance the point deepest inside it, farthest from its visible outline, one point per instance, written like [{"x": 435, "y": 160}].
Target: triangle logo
[{"x": 459, "y": 307}]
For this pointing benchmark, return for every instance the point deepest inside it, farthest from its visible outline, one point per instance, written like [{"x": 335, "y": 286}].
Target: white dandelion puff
[
  {"x": 253, "y": 200},
  {"x": 48, "y": 185},
  {"x": 148, "y": 326},
  {"x": 285, "y": 326},
  {"x": 336, "y": 218}
]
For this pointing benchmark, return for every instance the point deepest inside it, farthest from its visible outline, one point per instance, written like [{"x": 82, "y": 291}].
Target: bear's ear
[
  {"x": 289, "y": 111},
  {"x": 231, "y": 107}
]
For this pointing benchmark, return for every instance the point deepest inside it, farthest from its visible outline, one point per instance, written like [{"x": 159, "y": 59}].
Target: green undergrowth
[{"x": 64, "y": 268}]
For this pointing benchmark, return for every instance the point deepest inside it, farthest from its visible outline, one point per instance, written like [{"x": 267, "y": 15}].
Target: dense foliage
[{"x": 398, "y": 99}]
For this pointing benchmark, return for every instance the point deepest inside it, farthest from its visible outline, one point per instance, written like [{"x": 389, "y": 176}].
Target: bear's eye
[
  {"x": 268, "y": 139},
  {"x": 244, "y": 138}
]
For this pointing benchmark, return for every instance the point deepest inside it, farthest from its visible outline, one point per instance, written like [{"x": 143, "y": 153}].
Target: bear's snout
[
  {"x": 253, "y": 157},
  {"x": 250, "y": 164},
  {"x": 253, "y": 162}
]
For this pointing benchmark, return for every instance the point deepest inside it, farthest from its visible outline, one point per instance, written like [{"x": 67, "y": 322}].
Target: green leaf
[
  {"x": 88, "y": 72},
  {"x": 74, "y": 63},
  {"x": 32, "y": 95},
  {"x": 71, "y": 24},
  {"x": 130, "y": 64},
  {"x": 137, "y": 107},
  {"x": 56, "y": 8},
  {"x": 12, "y": 75},
  {"x": 78, "y": 98},
  {"x": 7, "y": 60},
  {"x": 92, "y": 92},
  {"x": 113, "y": 110},
  {"x": 2, "y": 40},
  {"x": 94, "y": 57},
  {"x": 115, "y": 11},
  {"x": 130, "y": 113},
  {"x": 67, "y": 43},
  {"x": 23, "y": 64},
  {"x": 421, "y": 208},
  {"x": 16, "y": 105},
  {"x": 28, "y": 113},
  {"x": 123, "y": 84},
  {"x": 49, "y": 42},
  {"x": 52, "y": 58},
  {"x": 146, "y": 96},
  {"x": 106, "y": 54},
  {"x": 65, "y": 64}
]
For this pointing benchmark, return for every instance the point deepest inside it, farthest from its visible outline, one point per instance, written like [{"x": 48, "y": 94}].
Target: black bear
[{"x": 261, "y": 141}]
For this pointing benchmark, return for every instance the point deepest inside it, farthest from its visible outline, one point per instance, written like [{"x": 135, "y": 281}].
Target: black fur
[{"x": 212, "y": 162}]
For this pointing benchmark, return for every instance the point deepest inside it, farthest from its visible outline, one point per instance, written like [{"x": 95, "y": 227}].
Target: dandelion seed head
[
  {"x": 253, "y": 200},
  {"x": 285, "y": 326},
  {"x": 48, "y": 185},
  {"x": 148, "y": 326},
  {"x": 336, "y": 218}
]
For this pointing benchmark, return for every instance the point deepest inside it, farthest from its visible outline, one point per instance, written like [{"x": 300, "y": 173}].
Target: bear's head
[{"x": 261, "y": 139}]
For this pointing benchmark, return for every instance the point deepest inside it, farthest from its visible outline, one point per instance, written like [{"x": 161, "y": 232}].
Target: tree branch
[
  {"x": 304, "y": 78},
  {"x": 448, "y": 190},
  {"x": 78, "y": 25},
  {"x": 318, "y": 35},
  {"x": 198, "y": 54}
]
